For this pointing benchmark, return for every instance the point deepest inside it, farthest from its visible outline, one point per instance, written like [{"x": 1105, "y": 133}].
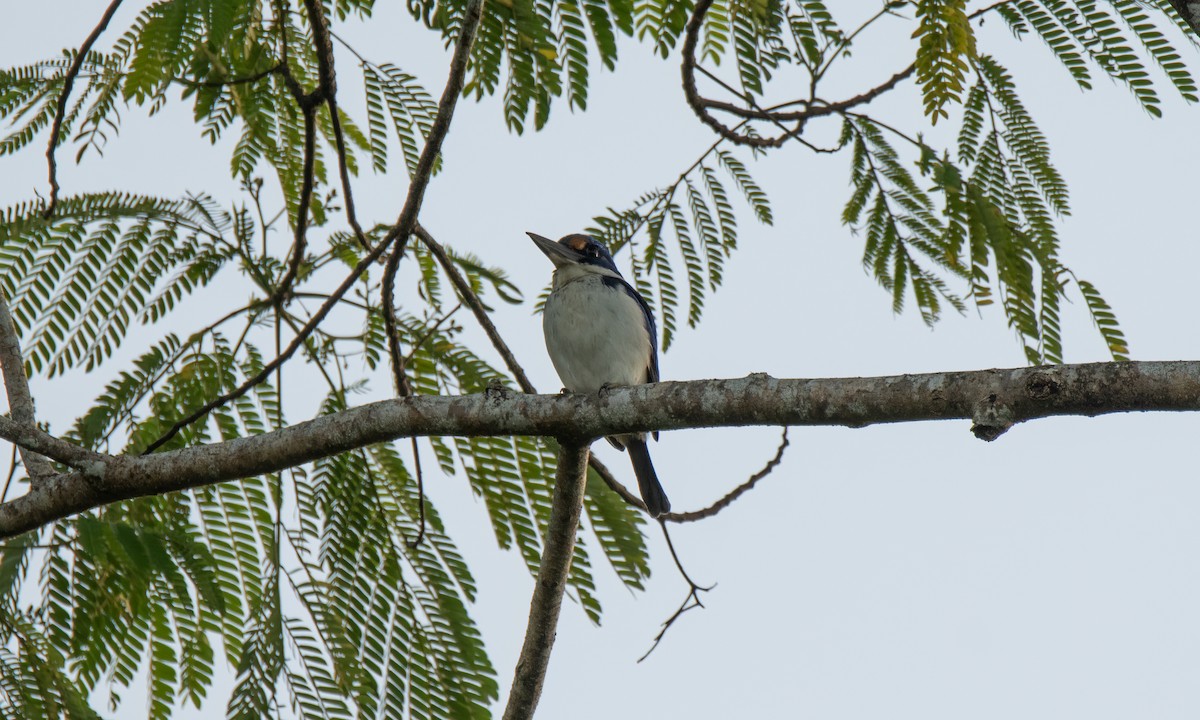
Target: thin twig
[
  {"x": 344, "y": 173},
  {"x": 429, "y": 333},
  {"x": 309, "y": 102},
  {"x": 300, "y": 241},
  {"x": 229, "y": 82},
  {"x": 16, "y": 385},
  {"x": 553, "y": 571},
  {"x": 695, "y": 101},
  {"x": 401, "y": 230},
  {"x": 391, "y": 324},
  {"x": 691, "y": 601},
  {"x": 12, "y": 470},
  {"x": 477, "y": 308},
  {"x": 812, "y": 109},
  {"x": 60, "y": 111},
  {"x": 737, "y": 492},
  {"x": 420, "y": 494}
]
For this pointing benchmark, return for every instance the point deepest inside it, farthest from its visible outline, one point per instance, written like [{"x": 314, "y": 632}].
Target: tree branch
[
  {"x": 994, "y": 399},
  {"x": 16, "y": 385},
  {"x": 1189, "y": 11},
  {"x": 557, "y": 551},
  {"x": 309, "y": 102},
  {"x": 60, "y": 111}
]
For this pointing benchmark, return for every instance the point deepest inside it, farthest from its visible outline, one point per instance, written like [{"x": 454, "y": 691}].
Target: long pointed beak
[{"x": 559, "y": 254}]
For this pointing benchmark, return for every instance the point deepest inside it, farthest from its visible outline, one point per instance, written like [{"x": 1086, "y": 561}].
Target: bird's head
[{"x": 580, "y": 251}]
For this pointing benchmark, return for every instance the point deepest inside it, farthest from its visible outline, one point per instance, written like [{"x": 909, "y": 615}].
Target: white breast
[{"x": 595, "y": 335}]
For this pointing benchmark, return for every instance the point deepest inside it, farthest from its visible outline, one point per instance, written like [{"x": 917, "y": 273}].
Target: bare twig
[
  {"x": 229, "y": 82},
  {"x": 737, "y": 492},
  {"x": 344, "y": 172},
  {"x": 300, "y": 241},
  {"x": 326, "y": 77},
  {"x": 420, "y": 494},
  {"x": 16, "y": 385},
  {"x": 691, "y": 601},
  {"x": 420, "y": 342},
  {"x": 12, "y": 470},
  {"x": 400, "y": 231},
  {"x": 391, "y": 324},
  {"x": 557, "y": 550},
  {"x": 309, "y": 102},
  {"x": 60, "y": 111},
  {"x": 688, "y": 68},
  {"x": 477, "y": 308}
]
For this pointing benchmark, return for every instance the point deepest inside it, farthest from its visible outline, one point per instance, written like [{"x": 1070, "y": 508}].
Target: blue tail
[{"x": 652, "y": 492}]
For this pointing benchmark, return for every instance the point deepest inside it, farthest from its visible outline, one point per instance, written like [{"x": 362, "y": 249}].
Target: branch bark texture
[
  {"x": 994, "y": 400},
  {"x": 16, "y": 386},
  {"x": 557, "y": 552}
]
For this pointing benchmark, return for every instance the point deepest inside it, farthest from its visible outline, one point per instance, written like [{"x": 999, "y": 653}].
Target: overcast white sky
[{"x": 909, "y": 571}]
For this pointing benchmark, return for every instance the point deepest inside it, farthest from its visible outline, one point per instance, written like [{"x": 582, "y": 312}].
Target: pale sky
[{"x": 908, "y": 571}]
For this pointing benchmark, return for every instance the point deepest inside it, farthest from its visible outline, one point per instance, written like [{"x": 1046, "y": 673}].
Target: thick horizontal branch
[{"x": 993, "y": 399}]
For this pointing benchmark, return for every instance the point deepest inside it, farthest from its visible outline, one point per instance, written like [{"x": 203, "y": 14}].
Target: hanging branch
[
  {"x": 691, "y": 601},
  {"x": 737, "y": 492}
]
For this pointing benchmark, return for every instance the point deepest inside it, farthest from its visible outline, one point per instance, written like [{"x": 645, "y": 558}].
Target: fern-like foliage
[
  {"x": 78, "y": 281},
  {"x": 946, "y": 47},
  {"x": 995, "y": 229},
  {"x": 1118, "y": 37},
  {"x": 697, "y": 214}
]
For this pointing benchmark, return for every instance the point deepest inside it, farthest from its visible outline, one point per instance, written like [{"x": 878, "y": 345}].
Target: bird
[{"x": 600, "y": 333}]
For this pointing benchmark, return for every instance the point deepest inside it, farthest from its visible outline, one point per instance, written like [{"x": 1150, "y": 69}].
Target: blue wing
[{"x": 621, "y": 285}]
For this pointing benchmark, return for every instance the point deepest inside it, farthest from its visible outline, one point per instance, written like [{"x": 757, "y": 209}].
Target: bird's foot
[
  {"x": 496, "y": 390},
  {"x": 606, "y": 388}
]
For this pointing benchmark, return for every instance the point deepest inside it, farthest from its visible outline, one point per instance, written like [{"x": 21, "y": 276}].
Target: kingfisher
[{"x": 600, "y": 333}]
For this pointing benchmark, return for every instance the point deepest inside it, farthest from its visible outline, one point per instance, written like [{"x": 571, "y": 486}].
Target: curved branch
[
  {"x": 60, "y": 111},
  {"x": 698, "y": 104},
  {"x": 557, "y": 550},
  {"x": 994, "y": 399},
  {"x": 811, "y": 109},
  {"x": 401, "y": 230},
  {"x": 326, "y": 92},
  {"x": 734, "y": 494}
]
